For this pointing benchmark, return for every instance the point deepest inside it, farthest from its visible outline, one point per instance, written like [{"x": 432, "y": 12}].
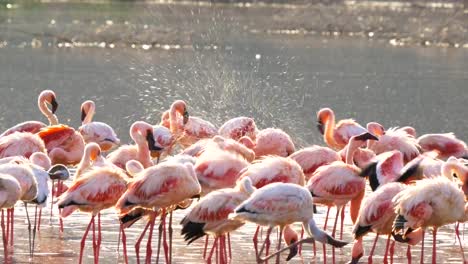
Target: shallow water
[{"x": 227, "y": 60}]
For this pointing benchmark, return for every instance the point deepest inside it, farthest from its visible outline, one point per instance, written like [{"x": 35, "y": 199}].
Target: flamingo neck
[
  {"x": 353, "y": 145},
  {"x": 173, "y": 124},
  {"x": 329, "y": 135},
  {"x": 89, "y": 114},
  {"x": 143, "y": 153},
  {"x": 355, "y": 206},
  {"x": 53, "y": 120}
]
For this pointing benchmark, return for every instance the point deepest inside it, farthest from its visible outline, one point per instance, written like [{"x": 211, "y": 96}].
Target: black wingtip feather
[
  {"x": 361, "y": 231},
  {"x": 192, "y": 231}
]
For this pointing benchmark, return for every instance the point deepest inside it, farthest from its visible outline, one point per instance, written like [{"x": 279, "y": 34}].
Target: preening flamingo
[
  {"x": 446, "y": 145},
  {"x": 96, "y": 190},
  {"x": 239, "y": 127},
  {"x": 281, "y": 204},
  {"x": 145, "y": 148},
  {"x": 159, "y": 188},
  {"x": 210, "y": 217},
  {"x": 397, "y": 139},
  {"x": 273, "y": 141},
  {"x": 337, "y": 135},
  {"x": 311, "y": 158},
  {"x": 98, "y": 132},
  {"x": 429, "y": 203}
]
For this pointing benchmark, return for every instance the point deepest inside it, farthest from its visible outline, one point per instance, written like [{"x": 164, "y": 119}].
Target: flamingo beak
[
  {"x": 58, "y": 172},
  {"x": 292, "y": 251},
  {"x": 54, "y": 104},
  {"x": 366, "y": 136},
  {"x": 320, "y": 126},
  {"x": 155, "y": 150},
  {"x": 83, "y": 115},
  {"x": 186, "y": 116}
]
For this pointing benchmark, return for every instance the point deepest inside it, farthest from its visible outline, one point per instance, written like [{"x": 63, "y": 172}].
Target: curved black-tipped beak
[
  {"x": 335, "y": 242},
  {"x": 153, "y": 148},
  {"x": 366, "y": 136},
  {"x": 59, "y": 172},
  {"x": 355, "y": 260},
  {"x": 409, "y": 171},
  {"x": 186, "y": 116},
  {"x": 320, "y": 127},
  {"x": 292, "y": 252},
  {"x": 83, "y": 115},
  {"x": 54, "y": 105}
]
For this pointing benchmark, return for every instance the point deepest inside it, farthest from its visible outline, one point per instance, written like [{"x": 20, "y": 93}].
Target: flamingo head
[
  {"x": 322, "y": 118},
  {"x": 49, "y": 97},
  {"x": 59, "y": 172},
  {"x": 181, "y": 107},
  {"x": 154, "y": 148},
  {"x": 366, "y": 136},
  {"x": 85, "y": 107}
]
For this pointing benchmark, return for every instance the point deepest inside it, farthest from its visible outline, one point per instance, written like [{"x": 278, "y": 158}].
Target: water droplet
[
  {"x": 109, "y": 22},
  {"x": 111, "y": 45},
  {"x": 370, "y": 34},
  {"x": 146, "y": 46},
  {"x": 9, "y": 6},
  {"x": 52, "y": 22},
  {"x": 258, "y": 56}
]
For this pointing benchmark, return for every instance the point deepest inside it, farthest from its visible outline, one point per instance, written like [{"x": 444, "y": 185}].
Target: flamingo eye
[{"x": 455, "y": 175}]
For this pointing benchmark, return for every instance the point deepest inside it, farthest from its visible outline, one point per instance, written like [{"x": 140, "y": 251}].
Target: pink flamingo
[
  {"x": 156, "y": 188},
  {"x": 187, "y": 129},
  {"x": 281, "y": 204},
  {"x": 96, "y": 190},
  {"x": 10, "y": 193},
  {"x": 395, "y": 139},
  {"x": 28, "y": 126},
  {"x": 222, "y": 143},
  {"x": 311, "y": 158},
  {"x": 338, "y": 183},
  {"x": 377, "y": 215},
  {"x": 429, "y": 203},
  {"x": 273, "y": 141},
  {"x": 337, "y": 135},
  {"x": 145, "y": 148},
  {"x": 446, "y": 145},
  {"x": 239, "y": 127},
  {"x": 21, "y": 144},
  {"x": 210, "y": 216},
  {"x": 98, "y": 132},
  {"x": 92, "y": 158}
]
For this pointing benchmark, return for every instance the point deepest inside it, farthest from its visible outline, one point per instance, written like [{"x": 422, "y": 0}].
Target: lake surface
[{"x": 278, "y": 63}]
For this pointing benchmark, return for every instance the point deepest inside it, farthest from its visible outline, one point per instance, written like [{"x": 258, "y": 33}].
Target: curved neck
[
  {"x": 328, "y": 134},
  {"x": 84, "y": 164},
  {"x": 89, "y": 113},
  {"x": 142, "y": 147},
  {"x": 47, "y": 112},
  {"x": 173, "y": 124},
  {"x": 353, "y": 145}
]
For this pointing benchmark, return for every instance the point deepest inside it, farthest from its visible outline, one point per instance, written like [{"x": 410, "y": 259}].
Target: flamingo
[
  {"x": 187, "y": 129},
  {"x": 337, "y": 135},
  {"x": 21, "y": 144},
  {"x": 311, "y": 158},
  {"x": 446, "y": 145},
  {"x": 10, "y": 193},
  {"x": 338, "y": 183},
  {"x": 429, "y": 203},
  {"x": 220, "y": 143},
  {"x": 96, "y": 190},
  {"x": 396, "y": 139},
  {"x": 273, "y": 141},
  {"x": 158, "y": 188},
  {"x": 239, "y": 127},
  {"x": 145, "y": 148},
  {"x": 281, "y": 204},
  {"x": 210, "y": 216},
  {"x": 97, "y": 132}
]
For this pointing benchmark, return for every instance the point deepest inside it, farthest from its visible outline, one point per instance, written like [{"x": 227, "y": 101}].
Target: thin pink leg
[
  {"x": 4, "y": 237},
  {"x": 386, "y": 250},
  {"x": 99, "y": 238},
  {"x": 342, "y": 221},
  {"x": 255, "y": 240},
  {"x": 8, "y": 226},
  {"x": 267, "y": 244},
  {"x": 137, "y": 244},
  {"x": 221, "y": 249},
  {"x": 94, "y": 241},
  {"x": 52, "y": 200},
  {"x": 457, "y": 232},
  {"x": 149, "y": 250},
  {"x": 422, "y": 248},
  {"x": 206, "y": 246},
  {"x": 165, "y": 245},
  {"x": 83, "y": 240},
  {"x": 392, "y": 251},
  {"x": 434, "y": 242},
  {"x": 39, "y": 220},
  {"x": 278, "y": 248},
  {"x": 59, "y": 191},
  {"x": 408, "y": 254},
  {"x": 300, "y": 246},
  {"x": 210, "y": 256},
  {"x": 323, "y": 244},
  {"x": 229, "y": 244},
  {"x": 170, "y": 237},
  {"x": 124, "y": 243},
  {"x": 371, "y": 253},
  {"x": 334, "y": 231}
]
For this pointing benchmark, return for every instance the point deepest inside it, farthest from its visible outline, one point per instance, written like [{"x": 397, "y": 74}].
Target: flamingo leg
[
  {"x": 408, "y": 254},
  {"x": 371, "y": 253},
  {"x": 99, "y": 238},
  {"x": 255, "y": 240},
  {"x": 325, "y": 229},
  {"x": 52, "y": 200},
  {"x": 267, "y": 241},
  {"x": 8, "y": 226},
  {"x": 94, "y": 241},
  {"x": 206, "y": 246},
  {"x": 4, "y": 237},
  {"x": 170, "y": 230},
  {"x": 59, "y": 192},
  {"x": 434, "y": 242},
  {"x": 12, "y": 216},
  {"x": 221, "y": 249},
  {"x": 422, "y": 247},
  {"x": 165, "y": 246},
  {"x": 334, "y": 231},
  {"x": 83, "y": 240},
  {"x": 229, "y": 244},
  {"x": 278, "y": 248},
  {"x": 457, "y": 232},
  {"x": 386, "y": 250},
  {"x": 213, "y": 248},
  {"x": 34, "y": 232},
  {"x": 149, "y": 250},
  {"x": 137, "y": 244},
  {"x": 342, "y": 221},
  {"x": 39, "y": 220},
  {"x": 29, "y": 229},
  {"x": 392, "y": 251},
  {"x": 124, "y": 243},
  {"x": 300, "y": 246}
]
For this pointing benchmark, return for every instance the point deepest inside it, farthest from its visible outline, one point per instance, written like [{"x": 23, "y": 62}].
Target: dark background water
[{"x": 398, "y": 63}]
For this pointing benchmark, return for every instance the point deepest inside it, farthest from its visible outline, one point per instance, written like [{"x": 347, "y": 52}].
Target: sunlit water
[{"x": 229, "y": 60}]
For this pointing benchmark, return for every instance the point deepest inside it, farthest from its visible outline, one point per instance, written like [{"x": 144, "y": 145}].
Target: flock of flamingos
[{"x": 226, "y": 177}]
